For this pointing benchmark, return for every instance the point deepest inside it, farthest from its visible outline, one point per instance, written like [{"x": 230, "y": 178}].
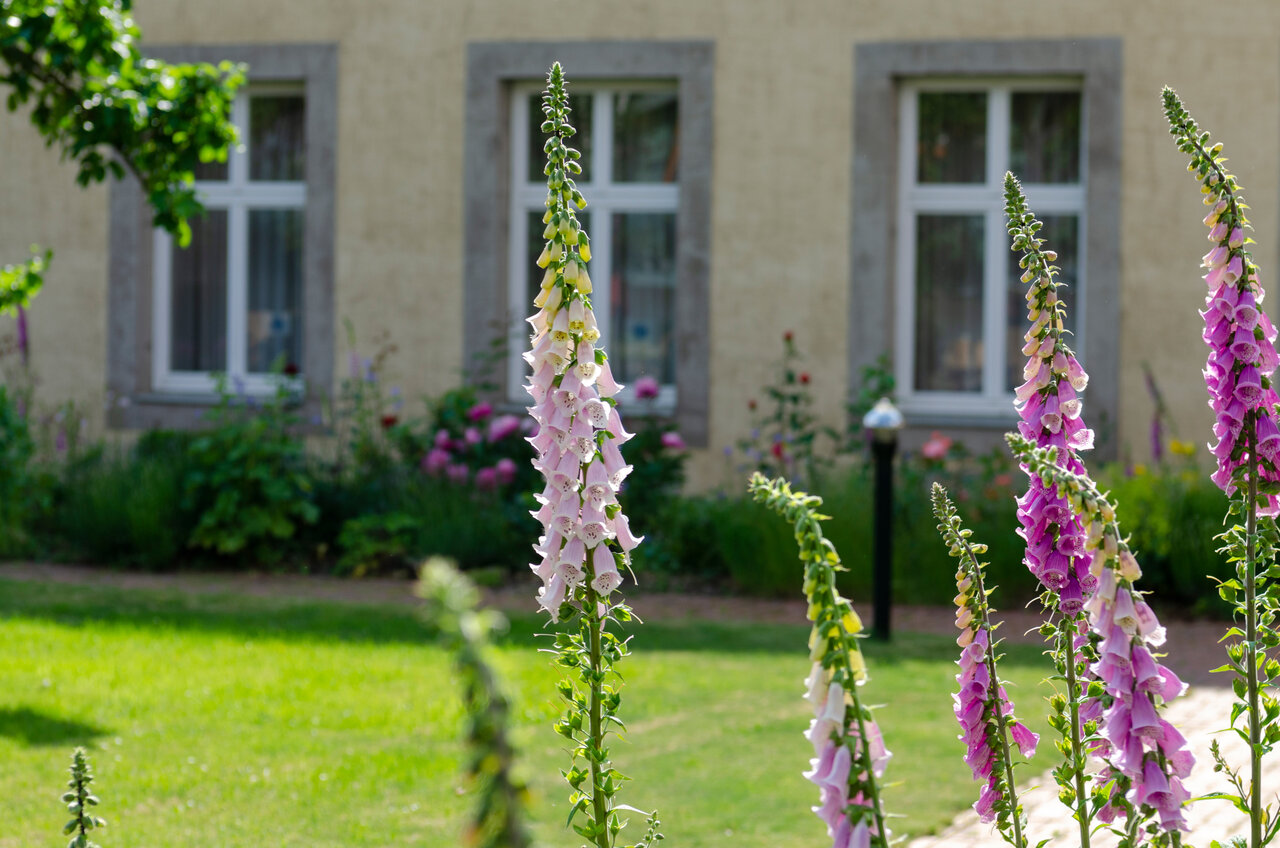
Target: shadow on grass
[
  {"x": 35, "y": 728},
  {"x": 327, "y": 621}
]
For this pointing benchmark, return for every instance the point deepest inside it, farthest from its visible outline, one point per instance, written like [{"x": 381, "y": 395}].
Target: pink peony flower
[
  {"x": 480, "y": 411},
  {"x": 472, "y": 436}
]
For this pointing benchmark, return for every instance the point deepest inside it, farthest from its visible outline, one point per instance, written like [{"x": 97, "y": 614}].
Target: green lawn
[{"x": 247, "y": 722}]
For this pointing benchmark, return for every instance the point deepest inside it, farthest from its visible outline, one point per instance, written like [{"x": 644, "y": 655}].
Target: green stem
[
  {"x": 877, "y": 811},
  {"x": 596, "y": 740},
  {"x": 1068, "y": 649},
  {"x": 1251, "y": 642}
]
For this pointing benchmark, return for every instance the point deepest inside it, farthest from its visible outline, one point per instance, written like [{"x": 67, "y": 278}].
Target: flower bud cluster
[
  {"x": 1145, "y": 756},
  {"x": 585, "y": 533},
  {"x": 849, "y": 751},
  {"x": 1241, "y": 338},
  {"x": 1049, "y": 409}
]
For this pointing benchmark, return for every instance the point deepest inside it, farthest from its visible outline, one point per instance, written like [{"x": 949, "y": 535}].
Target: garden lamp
[{"x": 883, "y": 422}]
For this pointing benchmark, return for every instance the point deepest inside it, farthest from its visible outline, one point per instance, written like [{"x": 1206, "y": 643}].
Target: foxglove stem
[
  {"x": 1251, "y": 642},
  {"x": 999, "y": 800},
  {"x": 850, "y": 795},
  {"x": 1144, "y": 754},
  {"x": 1049, "y": 407},
  {"x": 1067, "y": 650},
  {"x": 586, "y": 537},
  {"x": 1239, "y": 373}
]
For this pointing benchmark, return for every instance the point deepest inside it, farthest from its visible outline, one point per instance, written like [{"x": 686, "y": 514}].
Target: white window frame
[
  {"x": 237, "y": 195},
  {"x": 986, "y": 199},
  {"x": 604, "y": 199}
]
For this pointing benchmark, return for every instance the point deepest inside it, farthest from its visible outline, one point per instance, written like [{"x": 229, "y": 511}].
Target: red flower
[
  {"x": 751, "y": 404},
  {"x": 788, "y": 337},
  {"x": 292, "y": 369},
  {"x": 777, "y": 449},
  {"x": 389, "y": 421},
  {"x": 804, "y": 378}
]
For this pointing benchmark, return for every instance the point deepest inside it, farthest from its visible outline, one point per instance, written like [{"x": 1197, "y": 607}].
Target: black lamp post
[{"x": 884, "y": 421}]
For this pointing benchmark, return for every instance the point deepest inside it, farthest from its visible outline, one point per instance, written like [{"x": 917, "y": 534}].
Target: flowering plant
[
  {"x": 586, "y": 536},
  {"x": 1238, "y": 374},
  {"x": 784, "y": 430}
]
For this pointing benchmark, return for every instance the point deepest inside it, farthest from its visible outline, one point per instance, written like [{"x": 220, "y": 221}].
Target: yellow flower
[{"x": 1182, "y": 448}]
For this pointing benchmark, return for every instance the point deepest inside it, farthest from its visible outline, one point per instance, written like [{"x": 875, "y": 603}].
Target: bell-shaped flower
[
  {"x": 622, "y": 531},
  {"x": 606, "y": 577}
]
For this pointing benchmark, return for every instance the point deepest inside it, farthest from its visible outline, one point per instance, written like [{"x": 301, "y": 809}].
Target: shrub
[{"x": 247, "y": 479}]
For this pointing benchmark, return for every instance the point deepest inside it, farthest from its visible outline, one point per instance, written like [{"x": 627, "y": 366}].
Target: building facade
[{"x": 827, "y": 168}]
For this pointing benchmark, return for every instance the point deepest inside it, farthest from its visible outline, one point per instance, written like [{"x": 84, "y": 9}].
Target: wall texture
[{"x": 781, "y": 193}]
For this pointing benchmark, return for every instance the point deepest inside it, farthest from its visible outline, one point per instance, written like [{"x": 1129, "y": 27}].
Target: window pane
[
  {"x": 948, "y": 332},
  {"x": 580, "y": 111},
  {"x": 275, "y": 289},
  {"x": 642, "y": 291},
  {"x": 952, "y": 142},
  {"x": 646, "y": 137},
  {"x": 198, "y": 313},
  {"x": 277, "y": 139},
  {"x": 1062, "y": 234},
  {"x": 209, "y": 171},
  {"x": 1045, "y": 136}
]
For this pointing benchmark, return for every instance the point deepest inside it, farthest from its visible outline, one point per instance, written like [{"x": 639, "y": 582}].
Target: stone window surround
[
  {"x": 131, "y": 235},
  {"x": 492, "y": 68},
  {"x": 877, "y": 69}
]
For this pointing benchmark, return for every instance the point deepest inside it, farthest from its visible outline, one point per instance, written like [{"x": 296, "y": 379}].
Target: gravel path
[
  {"x": 1198, "y": 714},
  {"x": 1192, "y": 647}
]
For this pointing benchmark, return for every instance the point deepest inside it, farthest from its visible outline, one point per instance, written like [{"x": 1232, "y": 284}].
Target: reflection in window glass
[
  {"x": 646, "y": 137},
  {"x": 1044, "y": 144},
  {"x": 580, "y": 112},
  {"x": 951, "y": 143},
  {"x": 198, "y": 308},
  {"x": 949, "y": 279},
  {"x": 277, "y": 139},
  {"x": 1061, "y": 234},
  {"x": 275, "y": 289},
  {"x": 641, "y": 338}
]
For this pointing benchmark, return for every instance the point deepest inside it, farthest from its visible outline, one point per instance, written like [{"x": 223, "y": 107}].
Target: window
[
  {"x": 255, "y": 287},
  {"x": 629, "y": 139},
  {"x": 960, "y": 301},
  {"x": 231, "y": 301},
  {"x": 643, "y": 110},
  {"x": 932, "y": 278}
]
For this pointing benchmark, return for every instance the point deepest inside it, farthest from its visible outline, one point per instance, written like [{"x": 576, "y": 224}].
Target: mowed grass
[{"x": 231, "y": 721}]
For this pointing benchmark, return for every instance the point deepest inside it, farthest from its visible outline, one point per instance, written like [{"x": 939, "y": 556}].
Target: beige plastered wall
[{"x": 781, "y": 193}]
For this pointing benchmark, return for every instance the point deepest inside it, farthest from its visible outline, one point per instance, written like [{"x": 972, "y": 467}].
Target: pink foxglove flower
[
  {"x": 1140, "y": 746},
  {"x": 1242, "y": 354},
  {"x": 1145, "y": 758},
  {"x": 982, "y": 707},
  {"x": 1049, "y": 410},
  {"x": 586, "y": 537}
]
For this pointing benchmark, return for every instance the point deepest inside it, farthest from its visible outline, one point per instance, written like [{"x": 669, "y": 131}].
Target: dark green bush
[
  {"x": 247, "y": 480},
  {"x": 128, "y": 511}
]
